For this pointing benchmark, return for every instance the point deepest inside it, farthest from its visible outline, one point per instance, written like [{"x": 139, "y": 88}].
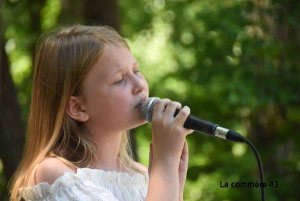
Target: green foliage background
[{"x": 232, "y": 62}]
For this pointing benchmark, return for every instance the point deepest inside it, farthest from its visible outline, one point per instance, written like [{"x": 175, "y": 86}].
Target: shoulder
[
  {"x": 141, "y": 167},
  {"x": 50, "y": 169}
]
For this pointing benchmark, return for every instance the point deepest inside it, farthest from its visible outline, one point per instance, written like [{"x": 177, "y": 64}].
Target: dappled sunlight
[
  {"x": 153, "y": 51},
  {"x": 50, "y": 13},
  {"x": 232, "y": 62},
  {"x": 20, "y": 69},
  {"x": 239, "y": 149}
]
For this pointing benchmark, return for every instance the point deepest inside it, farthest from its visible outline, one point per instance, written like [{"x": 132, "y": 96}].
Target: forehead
[{"x": 113, "y": 59}]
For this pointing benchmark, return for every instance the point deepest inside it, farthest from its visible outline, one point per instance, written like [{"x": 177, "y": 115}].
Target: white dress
[{"x": 91, "y": 185}]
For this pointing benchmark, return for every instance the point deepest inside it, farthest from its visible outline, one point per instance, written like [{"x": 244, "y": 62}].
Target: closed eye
[{"x": 120, "y": 81}]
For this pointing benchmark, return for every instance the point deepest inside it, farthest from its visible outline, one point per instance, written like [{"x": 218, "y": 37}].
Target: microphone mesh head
[{"x": 147, "y": 108}]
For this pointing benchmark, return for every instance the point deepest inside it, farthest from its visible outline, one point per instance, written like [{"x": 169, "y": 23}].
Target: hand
[
  {"x": 182, "y": 170},
  {"x": 168, "y": 152},
  {"x": 168, "y": 133},
  {"x": 183, "y": 166}
]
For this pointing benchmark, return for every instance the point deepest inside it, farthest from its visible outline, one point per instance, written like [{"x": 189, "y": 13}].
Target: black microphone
[{"x": 194, "y": 123}]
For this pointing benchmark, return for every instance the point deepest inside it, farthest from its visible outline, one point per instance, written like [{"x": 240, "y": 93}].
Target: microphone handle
[
  {"x": 198, "y": 124},
  {"x": 210, "y": 128}
]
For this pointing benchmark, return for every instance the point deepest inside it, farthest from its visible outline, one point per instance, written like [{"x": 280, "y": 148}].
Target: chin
[{"x": 140, "y": 123}]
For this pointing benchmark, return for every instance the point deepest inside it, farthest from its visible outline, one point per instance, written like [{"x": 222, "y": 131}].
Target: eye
[
  {"x": 120, "y": 81},
  {"x": 136, "y": 71}
]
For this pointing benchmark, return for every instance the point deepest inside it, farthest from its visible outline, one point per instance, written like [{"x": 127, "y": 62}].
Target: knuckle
[
  {"x": 162, "y": 102},
  {"x": 165, "y": 100},
  {"x": 159, "y": 102},
  {"x": 177, "y": 104},
  {"x": 185, "y": 112},
  {"x": 165, "y": 122}
]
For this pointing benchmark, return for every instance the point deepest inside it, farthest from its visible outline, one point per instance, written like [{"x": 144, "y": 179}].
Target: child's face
[{"x": 112, "y": 91}]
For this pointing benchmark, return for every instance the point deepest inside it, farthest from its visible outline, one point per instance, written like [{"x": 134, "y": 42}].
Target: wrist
[
  {"x": 166, "y": 169},
  {"x": 162, "y": 182},
  {"x": 166, "y": 161}
]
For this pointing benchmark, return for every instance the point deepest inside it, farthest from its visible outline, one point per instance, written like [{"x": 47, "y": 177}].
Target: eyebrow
[{"x": 123, "y": 67}]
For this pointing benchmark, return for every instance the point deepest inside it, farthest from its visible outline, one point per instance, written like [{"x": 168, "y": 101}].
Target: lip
[{"x": 141, "y": 102}]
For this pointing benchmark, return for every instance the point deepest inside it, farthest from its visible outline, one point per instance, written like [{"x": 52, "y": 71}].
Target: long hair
[{"x": 63, "y": 59}]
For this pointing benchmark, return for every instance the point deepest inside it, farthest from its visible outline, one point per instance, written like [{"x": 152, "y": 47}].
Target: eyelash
[{"x": 121, "y": 80}]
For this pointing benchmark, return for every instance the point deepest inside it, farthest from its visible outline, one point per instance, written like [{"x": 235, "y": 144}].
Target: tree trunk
[
  {"x": 11, "y": 125},
  {"x": 102, "y": 12},
  {"x": 12, "y": 129}
]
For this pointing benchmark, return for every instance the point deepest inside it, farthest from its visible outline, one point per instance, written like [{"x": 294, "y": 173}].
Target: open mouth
[{"x": 140, "y": 104}]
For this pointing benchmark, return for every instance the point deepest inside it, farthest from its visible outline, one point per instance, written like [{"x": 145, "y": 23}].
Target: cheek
[
  {"x": 121, "y": 100},
  {"x": 117, "y": 99}
]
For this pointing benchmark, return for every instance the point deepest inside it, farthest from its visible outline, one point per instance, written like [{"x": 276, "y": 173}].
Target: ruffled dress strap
[{"x": 91, "y": 185}]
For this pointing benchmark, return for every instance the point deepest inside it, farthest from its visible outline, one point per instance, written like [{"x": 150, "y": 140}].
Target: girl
[{"x": 87, "y": 92}]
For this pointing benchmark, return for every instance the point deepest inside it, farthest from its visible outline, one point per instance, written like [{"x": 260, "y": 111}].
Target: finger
[
  {"x": 182, "y": 115},
  {"x": 159, "y": 107},
  {"x": 150, "y": 159},
  {"x": 184, "y": 158},
  {"x": 171, "y": 108},
  {"x": 186, "y": 148}
]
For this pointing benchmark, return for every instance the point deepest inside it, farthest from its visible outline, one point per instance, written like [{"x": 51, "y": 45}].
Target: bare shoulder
[
  {"x": 50, "y": 170},
  {"x": 141, "y": 167}
]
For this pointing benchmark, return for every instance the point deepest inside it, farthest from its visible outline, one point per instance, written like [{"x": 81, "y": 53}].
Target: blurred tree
[
  {"x": 93, "y": 12},
  {"x": 11, "y": 124},
  {"x": 278, "y": 66},
  {"x": 235, "y": 63}
]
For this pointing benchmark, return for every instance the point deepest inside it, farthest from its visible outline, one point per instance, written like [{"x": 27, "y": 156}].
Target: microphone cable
[
  {"x": 261, "y": 174},
  {"x": 236, "y": 137}
]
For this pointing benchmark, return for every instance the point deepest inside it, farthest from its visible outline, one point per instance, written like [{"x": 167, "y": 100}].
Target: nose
[{"x": 139, "y": 84}]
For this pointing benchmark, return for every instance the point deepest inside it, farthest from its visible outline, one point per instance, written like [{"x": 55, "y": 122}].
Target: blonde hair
[{"x": 63, "y": 59}]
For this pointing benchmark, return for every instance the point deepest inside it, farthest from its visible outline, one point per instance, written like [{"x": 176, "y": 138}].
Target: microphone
[{"x": 194, "y": 123}]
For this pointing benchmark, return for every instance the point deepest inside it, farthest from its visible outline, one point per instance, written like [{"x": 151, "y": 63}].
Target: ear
[{"x": 76, "y": 110}]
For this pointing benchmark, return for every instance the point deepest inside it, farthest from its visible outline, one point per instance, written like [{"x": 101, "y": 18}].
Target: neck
[{"x": 108, "y": 146}]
